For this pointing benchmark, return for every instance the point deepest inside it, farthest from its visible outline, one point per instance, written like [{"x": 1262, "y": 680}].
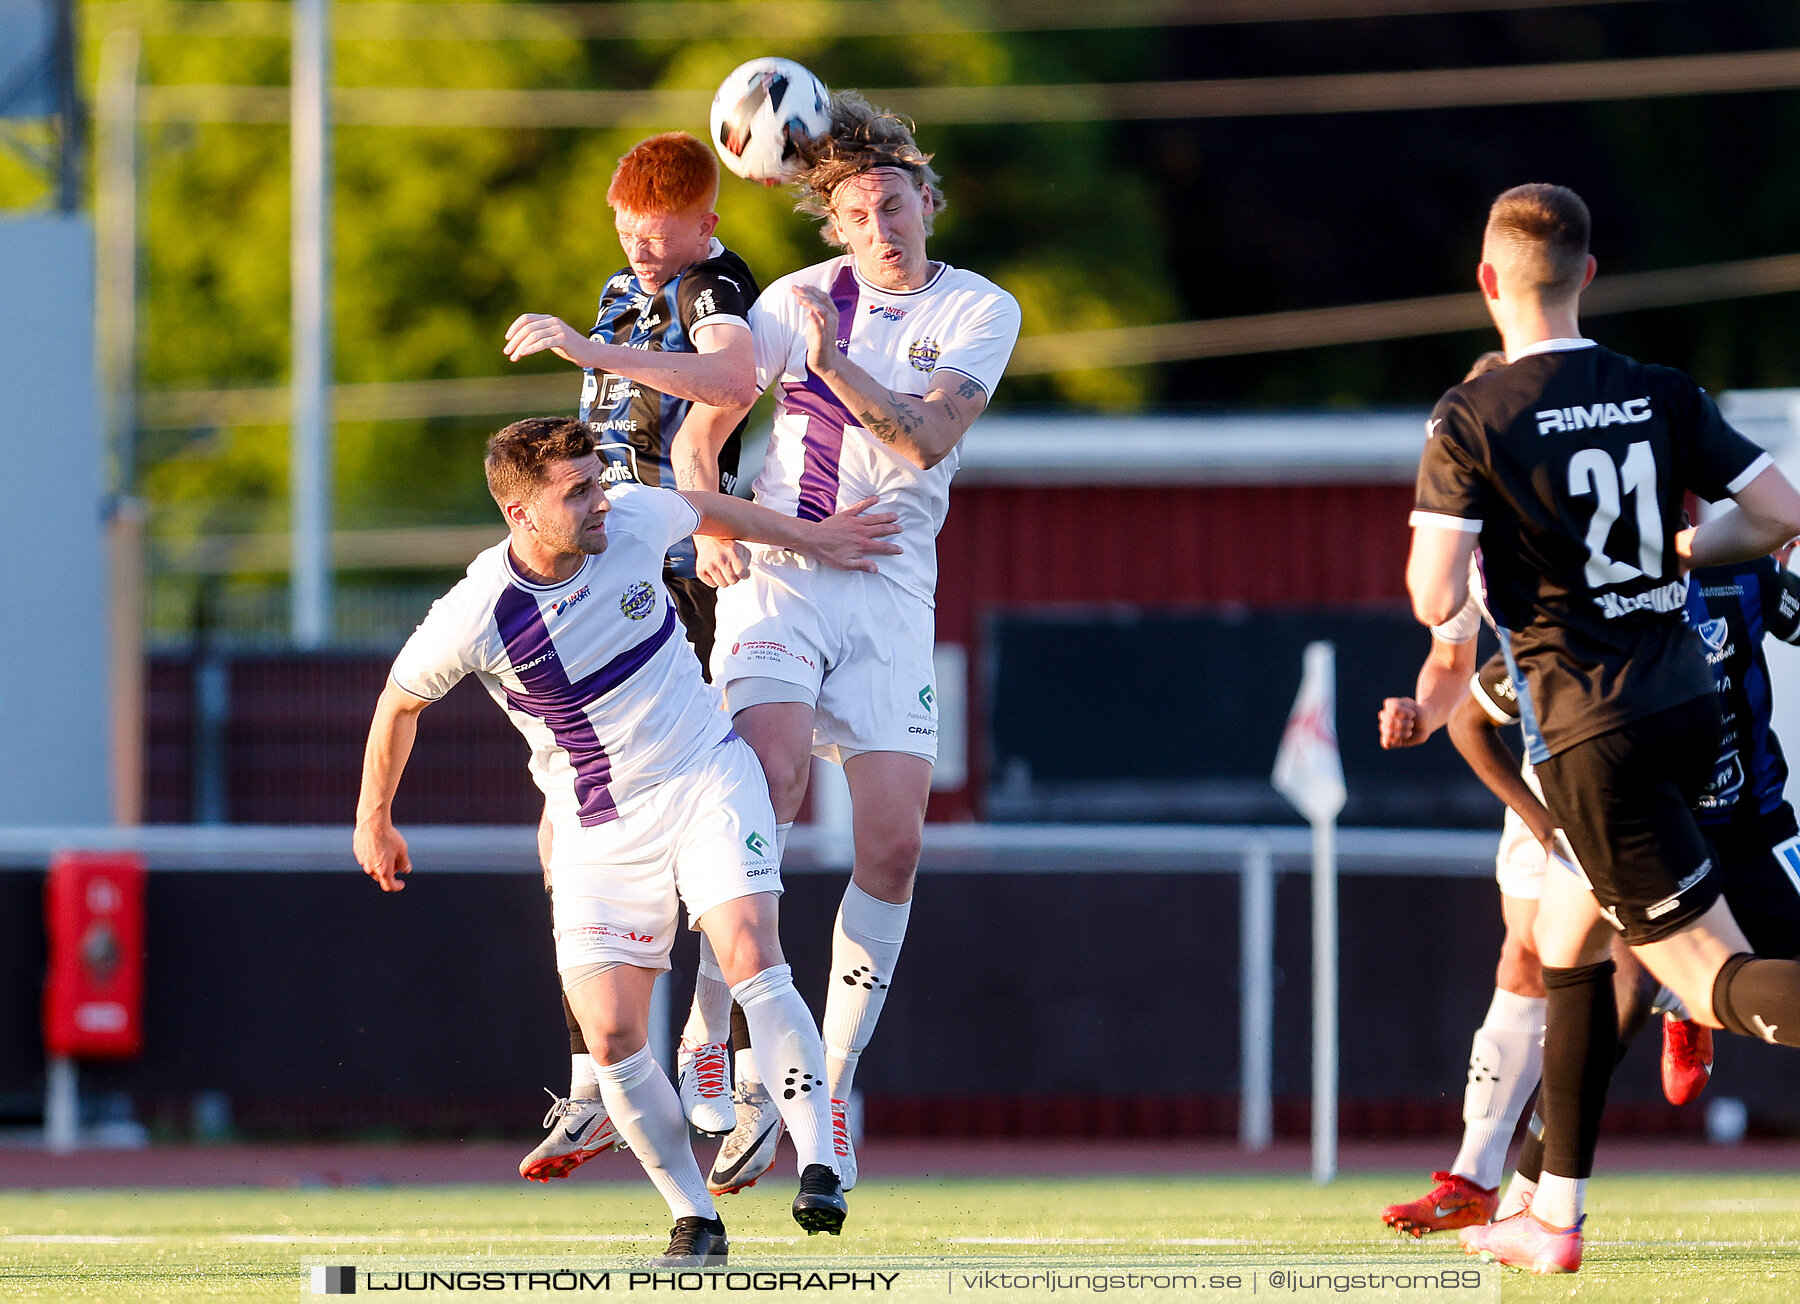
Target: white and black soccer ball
[{"x": 762, "y": 113}]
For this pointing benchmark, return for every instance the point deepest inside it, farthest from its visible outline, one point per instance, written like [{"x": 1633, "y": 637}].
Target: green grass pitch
[{"x": 1683, "y": 1237}]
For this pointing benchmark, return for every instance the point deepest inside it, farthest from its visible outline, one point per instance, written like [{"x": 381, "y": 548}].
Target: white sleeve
[
  {"x": 772, "y": 334},
  {"x": 661, "y": 516},
  {"x": 983, "y": 341},
  {"x": 447, "y": 645},
  {"x": 1461, "y": 627}
]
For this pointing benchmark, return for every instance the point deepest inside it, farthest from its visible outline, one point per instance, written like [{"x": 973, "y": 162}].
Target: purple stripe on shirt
[
  {"x": 561, "y": 703},
  {"x": 826, "y": 417}
]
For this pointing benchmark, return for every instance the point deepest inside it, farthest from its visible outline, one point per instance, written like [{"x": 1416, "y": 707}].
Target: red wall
[{"x": 1148, "y": 546}]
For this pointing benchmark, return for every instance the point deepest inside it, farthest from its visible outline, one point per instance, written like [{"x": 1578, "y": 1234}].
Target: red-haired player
[{"x": 669, "y": 367}]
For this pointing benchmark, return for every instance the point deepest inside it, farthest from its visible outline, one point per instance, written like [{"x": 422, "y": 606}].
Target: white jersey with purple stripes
[
  {"x": 820, "y": 460},
  {"x": 594, "y": 671}
]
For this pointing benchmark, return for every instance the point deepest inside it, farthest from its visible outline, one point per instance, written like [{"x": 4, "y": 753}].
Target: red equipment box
[{"x": 94, "y": 991}]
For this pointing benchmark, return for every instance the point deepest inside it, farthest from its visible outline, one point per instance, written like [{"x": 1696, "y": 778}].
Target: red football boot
[
  {"x": 1687, "y": 1059},
  {"x": 1454, "y": 1202}
]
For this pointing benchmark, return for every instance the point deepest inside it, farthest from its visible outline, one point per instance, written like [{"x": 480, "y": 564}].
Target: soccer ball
[{"x": 762, "y": 112}]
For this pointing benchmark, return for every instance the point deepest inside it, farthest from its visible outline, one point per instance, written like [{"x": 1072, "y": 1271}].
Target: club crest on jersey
[
  {"x": 887, "y": 311},
  {"x": 1715, "y": 633},
  {"x": 1555, "y": 421},
  {"x": 638, "y": 601},
  {"x": 923, "y": 354},
  {"x": 563, "y": 604}
]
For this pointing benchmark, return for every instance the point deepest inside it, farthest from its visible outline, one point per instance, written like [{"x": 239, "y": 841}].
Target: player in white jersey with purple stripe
[
  {"x": 654, "y": 801},
  {"x": 881, "y": 359}
]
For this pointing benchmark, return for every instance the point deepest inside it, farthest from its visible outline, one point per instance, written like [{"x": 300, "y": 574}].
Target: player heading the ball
[{"x": 881, "y": 359}]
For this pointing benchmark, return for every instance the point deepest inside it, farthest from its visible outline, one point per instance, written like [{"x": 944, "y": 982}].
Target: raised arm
[
  {"x": 921, "y": 428},
  {"x": 721, "y": 372},
  {"x": 846, "y": 541},
  {"x": 380, "y": 849}
]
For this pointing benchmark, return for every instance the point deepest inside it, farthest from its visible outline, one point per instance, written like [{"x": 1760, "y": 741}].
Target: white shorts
[
  {"x": 699, "y": 839},
  {"x": 1520, "y": 862},
  {"x": 859, "y": 645}
]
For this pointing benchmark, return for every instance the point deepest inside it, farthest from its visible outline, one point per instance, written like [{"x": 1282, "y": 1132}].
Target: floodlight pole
[{"x": 309, "y": 490}]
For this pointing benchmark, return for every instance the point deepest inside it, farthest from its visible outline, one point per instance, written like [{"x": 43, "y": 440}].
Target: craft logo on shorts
[
  {"x": 563, "y": 604},
  {"x": 923, "y": 354},
  {"x": 887, "y": 310},
  {"x": 758, "y": 844},
  {"x": 334, "y": 1281},
  {"x": 927, "y": 698},
  {"x": 638, "y": 601}
]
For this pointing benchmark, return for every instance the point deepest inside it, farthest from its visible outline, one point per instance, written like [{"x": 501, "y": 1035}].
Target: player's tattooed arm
[
  {"x": 922, "y": 428},
  {"x": 694, "y": 452}
]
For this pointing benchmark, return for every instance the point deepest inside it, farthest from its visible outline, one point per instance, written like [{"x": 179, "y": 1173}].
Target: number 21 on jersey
[{"x": 1592, "y": 471}]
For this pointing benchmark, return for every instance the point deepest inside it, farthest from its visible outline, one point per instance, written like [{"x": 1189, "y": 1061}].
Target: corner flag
[{"x": 1308, "y": 770}]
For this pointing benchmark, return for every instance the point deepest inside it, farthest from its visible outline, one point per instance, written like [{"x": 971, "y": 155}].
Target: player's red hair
[{"x": 670, "y": 173}]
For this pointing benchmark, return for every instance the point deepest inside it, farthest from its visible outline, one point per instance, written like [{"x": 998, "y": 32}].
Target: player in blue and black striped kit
[{"x": 670, "y": 370}]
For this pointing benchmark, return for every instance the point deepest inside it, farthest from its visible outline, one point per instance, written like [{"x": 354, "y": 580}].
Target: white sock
[
  {"x": 583, "y": 1082},
  {"x": 1505, "y": 1062},
  {"x": 709, "y": 1018},
  {"x": 864, "y": 949},
  {"x": 782, "y": 1028},
  {"x": 1518, "y": 1194},
  {"x": 1559, "y": 1200},
  {"x": 641, "y": 1102},
  {"x": 1667, "y": 1002}
]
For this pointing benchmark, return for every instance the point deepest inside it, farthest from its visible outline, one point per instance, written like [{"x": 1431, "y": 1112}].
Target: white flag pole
[
  {"x": 1310, "y": 774},
  {"x": 1325, "y": 1001}
]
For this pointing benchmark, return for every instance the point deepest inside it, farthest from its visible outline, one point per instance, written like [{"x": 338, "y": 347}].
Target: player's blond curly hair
[{"x": 861, "y": 139}]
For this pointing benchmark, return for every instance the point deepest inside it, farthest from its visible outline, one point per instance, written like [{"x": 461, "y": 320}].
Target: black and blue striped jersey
[
  {"x": 635, "y": 424},
  {"x": 1732, "y": 607}
]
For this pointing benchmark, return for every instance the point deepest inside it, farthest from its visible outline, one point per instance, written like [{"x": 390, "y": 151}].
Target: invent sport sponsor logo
[{"x": 563, "y": 604}]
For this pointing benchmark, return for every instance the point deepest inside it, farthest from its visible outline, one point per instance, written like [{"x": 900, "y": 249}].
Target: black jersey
[
  {"x": 636, "y": 424},
  {"x": 1572, "y": 464},
  {"x": 1732, "y": 608}
]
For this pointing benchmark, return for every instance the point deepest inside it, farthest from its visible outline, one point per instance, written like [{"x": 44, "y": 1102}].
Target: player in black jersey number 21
[{"x": 1569, "y": 467}]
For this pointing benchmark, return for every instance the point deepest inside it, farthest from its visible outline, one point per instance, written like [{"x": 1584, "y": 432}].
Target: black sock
[
  {"x": 1759, "y": 998},
  {"x": 1634, "y": 1009},
  {"x": 1631, "y": 1023},
  {"x": 1531, "y": 1154},
  {"x": 740, "y": 1028},
  {"x": 1581, "y": 1041},
  {"x": 577, "y": 1042}
]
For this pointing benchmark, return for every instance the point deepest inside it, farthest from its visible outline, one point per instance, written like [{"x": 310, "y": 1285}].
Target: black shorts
[
  {"x": 696, "y": 604},
  {"x": 1625, "y": 802},
  {"x": 1761, "y": 863}
]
